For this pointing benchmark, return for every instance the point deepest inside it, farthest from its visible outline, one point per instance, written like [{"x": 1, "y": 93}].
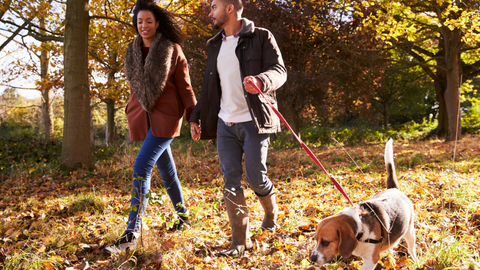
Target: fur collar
[{"x": 147, "y": 79}]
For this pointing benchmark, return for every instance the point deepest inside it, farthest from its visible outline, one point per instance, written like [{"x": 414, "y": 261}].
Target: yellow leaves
[
  {"x": 470, "y": 239},
  {"x": 312, "y": 210},
  {"x": 60, "y": 243},
  {"x": 52, "y": 262},
  {"x": 262, "y": 237},
  {"x": 289, "y": 247},
  {"x": 48, "y": 266},
  {"x": 305, "y": 263},
  {"x": 48, "y": 239},
  {"x": 308, "y": 228},
  {"x": 13, "y": 234},
  {"x": 390, "y": 262},
  {"x": 301, "y": 238},
  {"x": 56, "y": 259}
]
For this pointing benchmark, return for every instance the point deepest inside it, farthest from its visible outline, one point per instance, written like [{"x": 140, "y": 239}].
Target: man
[{"x": 232, "y": 111}]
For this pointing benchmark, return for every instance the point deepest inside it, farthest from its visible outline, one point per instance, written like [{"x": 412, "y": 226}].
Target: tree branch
[
  {"x": 17, "y": 87},
  {"x": 110, "y": 18},
  {"x": 35, "y": 34},
  {"x": 14, "y": 34},
  {"x": 44, "y": 38}
]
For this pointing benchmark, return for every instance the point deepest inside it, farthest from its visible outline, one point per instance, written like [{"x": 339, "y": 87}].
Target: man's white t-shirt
[{"x": 233, "y": 104}]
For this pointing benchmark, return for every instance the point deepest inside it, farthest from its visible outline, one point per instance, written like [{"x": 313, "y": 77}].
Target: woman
[{"x": 157, "y": 71}]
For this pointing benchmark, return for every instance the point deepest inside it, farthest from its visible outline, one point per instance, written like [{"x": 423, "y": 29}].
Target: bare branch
[
  {"x": 14, "y": 34},
  {"x": 44, "y": 38},
  {"x": 28, "y": 25},
  {"x": 18, "y": 87}
]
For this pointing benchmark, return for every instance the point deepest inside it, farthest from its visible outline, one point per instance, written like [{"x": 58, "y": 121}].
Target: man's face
[{"x": 218, "y": 14}]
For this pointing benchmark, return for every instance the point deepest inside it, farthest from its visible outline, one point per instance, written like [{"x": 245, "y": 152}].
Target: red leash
[{"x": 305, "y": 147}]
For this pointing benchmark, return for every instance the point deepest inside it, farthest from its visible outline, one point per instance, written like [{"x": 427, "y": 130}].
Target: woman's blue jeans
[{"x": 153, "y": 151}]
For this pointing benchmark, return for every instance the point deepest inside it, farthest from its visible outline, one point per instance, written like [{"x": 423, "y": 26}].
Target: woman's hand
[{"x": 195, "y": 131}]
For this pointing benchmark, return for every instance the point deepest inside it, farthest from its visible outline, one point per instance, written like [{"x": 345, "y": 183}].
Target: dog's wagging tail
[{"x": 392, "y": 181}]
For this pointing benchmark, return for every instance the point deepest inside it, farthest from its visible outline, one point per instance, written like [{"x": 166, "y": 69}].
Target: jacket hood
[{"x": 248, "y": 28}]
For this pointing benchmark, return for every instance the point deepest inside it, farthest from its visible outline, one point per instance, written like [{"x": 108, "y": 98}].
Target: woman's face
[{"x": 147, "y": 25}]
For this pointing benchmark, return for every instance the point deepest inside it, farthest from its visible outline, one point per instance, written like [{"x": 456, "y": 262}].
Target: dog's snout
[{"x": 313, "y": 258}]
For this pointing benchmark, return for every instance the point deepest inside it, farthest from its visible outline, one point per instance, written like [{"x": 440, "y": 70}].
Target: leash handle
[{"x": 305, "y": 147}]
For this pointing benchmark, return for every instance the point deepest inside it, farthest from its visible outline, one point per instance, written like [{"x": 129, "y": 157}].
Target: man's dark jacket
[{"x": 259, "y": 56}]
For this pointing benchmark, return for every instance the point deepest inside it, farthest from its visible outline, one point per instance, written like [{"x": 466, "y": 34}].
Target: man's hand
[
  {"x": 195, "y": 131},
  {"x": 249, "y": 88}
]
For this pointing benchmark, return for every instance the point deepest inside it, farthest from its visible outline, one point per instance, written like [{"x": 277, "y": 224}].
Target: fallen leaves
[
  {"x": 168, "y": 244},
  {"x": 63, "y": 221}
]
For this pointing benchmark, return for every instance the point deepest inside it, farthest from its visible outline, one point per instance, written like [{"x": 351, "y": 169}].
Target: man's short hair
[{"x": 237, "y": 4}]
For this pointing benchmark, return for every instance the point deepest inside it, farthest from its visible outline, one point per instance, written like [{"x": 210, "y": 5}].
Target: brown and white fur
[{"x": 369, "y": 228}]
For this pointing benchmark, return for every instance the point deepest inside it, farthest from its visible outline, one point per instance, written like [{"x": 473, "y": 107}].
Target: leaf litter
[{"x": 57, "y": 221}]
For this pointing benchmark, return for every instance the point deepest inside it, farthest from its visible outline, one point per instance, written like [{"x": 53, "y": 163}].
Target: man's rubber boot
[
  {"x": 238, "y": 216},
  {"x": 271, "y": 211}
]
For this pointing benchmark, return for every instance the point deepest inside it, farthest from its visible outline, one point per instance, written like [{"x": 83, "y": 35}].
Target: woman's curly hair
[{"x": 168, "y": 27}]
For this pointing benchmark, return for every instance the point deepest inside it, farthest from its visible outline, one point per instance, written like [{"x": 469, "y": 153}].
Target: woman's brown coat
[{"x": 160, "y": 88}]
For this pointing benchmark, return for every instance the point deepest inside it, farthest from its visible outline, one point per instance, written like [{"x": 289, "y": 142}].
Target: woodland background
[{"x": 359, "y": 72}]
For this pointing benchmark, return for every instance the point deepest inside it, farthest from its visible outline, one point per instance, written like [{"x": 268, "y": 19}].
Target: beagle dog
[{"x": 369, "y": 228}]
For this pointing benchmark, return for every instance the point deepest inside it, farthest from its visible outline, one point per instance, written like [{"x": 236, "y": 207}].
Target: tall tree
[
  {"x": 328, "y": 77},
  {"x": 46, "y": 107},
  {"x": 41, "y": 21},
  {"x": 76, "y": 146},
  {"x": 330, "y": 69},
  {"x": 23, "y": 20},
  {"x": 440, "y": 37},
  {"x": 110, "y": 32},
  {"x": 404, "y": 95}
]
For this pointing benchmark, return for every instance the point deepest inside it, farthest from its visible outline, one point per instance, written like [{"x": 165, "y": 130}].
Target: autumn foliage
[{"x": 358, "y": 71}]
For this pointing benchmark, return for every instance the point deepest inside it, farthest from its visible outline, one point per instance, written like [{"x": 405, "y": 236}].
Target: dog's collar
[{"x": 369, "y": 240}]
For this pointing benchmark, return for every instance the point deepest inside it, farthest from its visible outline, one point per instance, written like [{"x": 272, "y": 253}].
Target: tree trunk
[
  {"x": 287, "y": 107},
  {"x": 295, "y": 122},
  {"x": 47, "y": 113},
  {"x": 45, "y": 89},
  {"x": 76, "y": 146},
  {"x": 452, "y": 103},
  {"x": 110, "y": 128},
  {"x": 452, "y": 91},
  {"x": 385, "y": 116},
  {"x": 440, "y": 87},
  {"x": 296, "y": 126}
]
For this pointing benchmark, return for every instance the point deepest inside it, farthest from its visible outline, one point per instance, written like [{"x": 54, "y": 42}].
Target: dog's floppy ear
[{"x": 348, "y": 242}]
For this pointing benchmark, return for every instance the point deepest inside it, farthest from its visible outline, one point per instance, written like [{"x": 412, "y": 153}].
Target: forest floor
[{"x": 55, "y": 220}]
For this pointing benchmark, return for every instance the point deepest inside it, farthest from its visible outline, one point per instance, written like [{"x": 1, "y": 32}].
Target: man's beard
[{"x": 220, "y": 21}]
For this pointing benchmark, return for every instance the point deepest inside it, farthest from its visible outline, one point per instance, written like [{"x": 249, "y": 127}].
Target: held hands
[
  {"x": 249, "y": 88},
  {"x": 195, "y": 128},
  {"x": 195, "y": 131}
]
